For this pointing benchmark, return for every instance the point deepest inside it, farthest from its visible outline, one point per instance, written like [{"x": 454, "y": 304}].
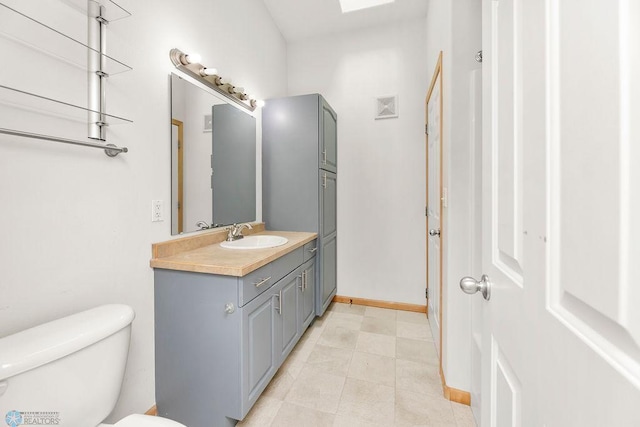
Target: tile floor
[{"x": 360, "y": 366}]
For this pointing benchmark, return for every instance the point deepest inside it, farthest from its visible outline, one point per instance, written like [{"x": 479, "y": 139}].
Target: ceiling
[{"x": 302, "y": 19}]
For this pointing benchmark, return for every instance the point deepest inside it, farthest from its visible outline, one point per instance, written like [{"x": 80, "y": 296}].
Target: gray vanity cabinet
[
  {"x": 328, "y": 238},
  {"x": 219, "y": 339},
  {"x": 259, "y": 361},
  {"x": 307, "y": 294},
  {"x": 328, "y": 138},
  {"x": 299, "y": 178},
  {"x": 287, "y": 331}
]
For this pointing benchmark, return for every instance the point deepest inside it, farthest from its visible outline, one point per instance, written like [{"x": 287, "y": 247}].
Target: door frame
[
  {"x": 437, "y": 73},
  {"x": 180, "y": 201}
]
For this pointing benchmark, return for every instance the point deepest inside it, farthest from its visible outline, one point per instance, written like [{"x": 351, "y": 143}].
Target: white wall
[
  {"x": 76, "y": 224},
  {"x": 455, "y": 29},
  {"x": 381, "y": 163}
]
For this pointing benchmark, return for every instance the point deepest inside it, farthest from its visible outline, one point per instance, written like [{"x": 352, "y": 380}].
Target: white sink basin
[{"x": 255, "y": 242}]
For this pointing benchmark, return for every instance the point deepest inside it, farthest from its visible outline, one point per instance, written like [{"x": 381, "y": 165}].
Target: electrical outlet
[{"x": 156, "y": 211}]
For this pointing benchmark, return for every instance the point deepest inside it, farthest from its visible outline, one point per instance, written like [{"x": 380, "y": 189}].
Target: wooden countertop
[{"x": 203, "y": 253}]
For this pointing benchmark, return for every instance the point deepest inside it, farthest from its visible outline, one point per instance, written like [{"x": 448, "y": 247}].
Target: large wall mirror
[{"x": 213, "y": 159}]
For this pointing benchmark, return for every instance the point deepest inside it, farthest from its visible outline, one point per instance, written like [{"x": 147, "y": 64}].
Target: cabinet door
[
  {"x": 307, "y": 293},
  {"x": 286, "y": 318},
  {"x": 328, "y": 195},
  {"x": 327, "y": 285},
  {"x": 259, "y": 364},
  {"x": 328, "y": 137}
]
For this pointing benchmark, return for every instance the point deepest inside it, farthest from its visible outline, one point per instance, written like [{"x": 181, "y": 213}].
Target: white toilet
[{"x": 69, "y": 372}]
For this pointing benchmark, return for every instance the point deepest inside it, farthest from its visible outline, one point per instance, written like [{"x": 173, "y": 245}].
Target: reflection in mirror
[{"x": 213, "y": 160}]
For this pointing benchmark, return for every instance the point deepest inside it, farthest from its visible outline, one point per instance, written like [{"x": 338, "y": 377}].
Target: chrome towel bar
[{"x": 109, "y": 149}]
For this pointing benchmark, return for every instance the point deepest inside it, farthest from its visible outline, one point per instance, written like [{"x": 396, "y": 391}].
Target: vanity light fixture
[{"x": 190, "y": 65}]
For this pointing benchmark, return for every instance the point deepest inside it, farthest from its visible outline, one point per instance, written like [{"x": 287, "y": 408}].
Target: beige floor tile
[
  {"x": 384, "y": 345},
  {"x": 418, "y": 377},
  {"x": 344, "y": 320},
  {"x": 280, "y": 384},
  {"x": 312, "y": 334},
  {"x": 412, "y": 317},
  {"x": 336, "y": 336},
  {"x": 417, "y": 350},
  {"x": 319, "y": 322},
  {"x": 416, "y": 331},
  {"x": 347, "y": 308},
  {"x": 293, "y": 365},
  {"x": 291, "y": 415},
  {"x": 379, "y": 326},
  {"x": 415, "y": 409},
  {"x": 316, "y": 390},
  {"x": 331, "y": 360},
  {"x": 262, "y": 413},
  {"x": 367, "y": 401},
  {"x": 380, "y": 313},
  {"x": 373, "y": 368},
  {"x": 463, "y": 415},
  {"x": 353, "y": 421}
]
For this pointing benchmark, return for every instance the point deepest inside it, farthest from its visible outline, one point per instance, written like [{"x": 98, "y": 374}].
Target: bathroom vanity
[{"x": 225, "y": 320}]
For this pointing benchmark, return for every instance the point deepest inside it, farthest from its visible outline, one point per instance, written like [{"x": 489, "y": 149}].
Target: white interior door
[
  {"x": 586, "y": 97},
  {"x": 434, "y": 202},
  {"x": 561, "y": 198},
  {"x": 477, "y": 304},
  {"x": 505, "y": 330}
]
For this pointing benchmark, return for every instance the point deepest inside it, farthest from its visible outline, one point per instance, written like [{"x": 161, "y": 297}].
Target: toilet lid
[{"x": 146, "y": 421}]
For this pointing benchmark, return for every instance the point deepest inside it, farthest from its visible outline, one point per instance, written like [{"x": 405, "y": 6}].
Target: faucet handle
[{"x": 231, "y": 232}]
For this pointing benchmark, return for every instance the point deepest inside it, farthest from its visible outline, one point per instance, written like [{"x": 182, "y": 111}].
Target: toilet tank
[{"x": 67, "y": 372}]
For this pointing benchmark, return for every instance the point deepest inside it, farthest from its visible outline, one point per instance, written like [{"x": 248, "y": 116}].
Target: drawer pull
[
  {"x": 262, "y": 282},
  {"x": 313, "y": 250}
]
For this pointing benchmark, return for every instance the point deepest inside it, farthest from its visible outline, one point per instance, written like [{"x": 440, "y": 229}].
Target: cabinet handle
[
  {"x": 304, "y": 280},
  {"x": 301, "y": 285},
  {"x": 262, "y": 282},
  {"x": 324, "y": 180},
  {"x": 313, "y": 250},
  {"x": 324, "y": 157},
  {"x": 279, "y": 307}
]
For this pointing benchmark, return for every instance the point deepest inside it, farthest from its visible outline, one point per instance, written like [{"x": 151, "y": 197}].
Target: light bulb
[
  {"x": 259, "y": 103},
  {"x": 208, "y": 72},
  {"x": 193, "y": 58}
]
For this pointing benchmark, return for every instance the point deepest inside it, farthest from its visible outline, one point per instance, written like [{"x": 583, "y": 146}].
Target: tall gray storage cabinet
[{"x": 299, "y": 178}]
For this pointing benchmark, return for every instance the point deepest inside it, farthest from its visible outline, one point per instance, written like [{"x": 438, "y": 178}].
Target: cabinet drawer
[
  {"x": 286, "y": 264},
  {"x": 310, "y": 250},
  {"x": 255, "y": 283}
]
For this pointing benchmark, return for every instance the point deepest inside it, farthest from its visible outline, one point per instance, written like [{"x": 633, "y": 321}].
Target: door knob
[
  {"x": 434, "y": 232},
  {"x": 469, "y": 285}
]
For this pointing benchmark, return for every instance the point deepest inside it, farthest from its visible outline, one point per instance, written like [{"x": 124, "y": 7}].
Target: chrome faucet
[
  {"x": 202, "y": 225},
  {"x": 235, "y": 231}
]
